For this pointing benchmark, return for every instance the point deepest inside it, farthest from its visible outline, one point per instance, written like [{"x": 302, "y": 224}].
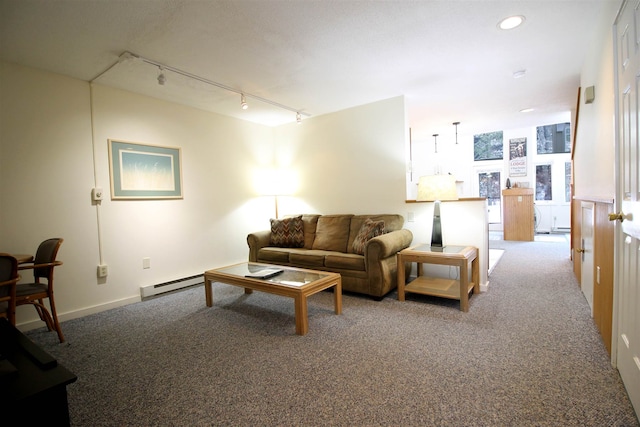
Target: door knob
[
  {"x": 580, "y": 250},
  {"x": 616, "y": 216}
]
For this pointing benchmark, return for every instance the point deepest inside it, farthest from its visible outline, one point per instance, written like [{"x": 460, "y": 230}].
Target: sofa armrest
[
  {"x": 387, "y": 245},
  {"x": 256, "y": 241}
]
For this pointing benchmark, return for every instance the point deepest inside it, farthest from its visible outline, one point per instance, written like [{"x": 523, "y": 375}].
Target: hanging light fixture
[
  {"x": 456, "y": 125},
  {"x": 162, "y": 79},
  {"x": 435, "y": 140},
  {"x": 243, "y": 102}
]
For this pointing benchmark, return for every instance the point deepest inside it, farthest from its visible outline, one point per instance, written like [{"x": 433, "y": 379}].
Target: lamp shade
[
  {"x": 275, "y": 182},
  {"x": 437, "y": 187}
]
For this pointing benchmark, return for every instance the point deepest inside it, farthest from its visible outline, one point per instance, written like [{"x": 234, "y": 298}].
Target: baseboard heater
[{"x": 161, "y": 288}]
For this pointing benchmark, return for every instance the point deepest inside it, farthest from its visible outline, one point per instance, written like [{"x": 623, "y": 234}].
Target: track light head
[
  {"x": 298, "y": 117},
  {"x": 162, "y": 79},
  {"x": 243, "y": 102}
]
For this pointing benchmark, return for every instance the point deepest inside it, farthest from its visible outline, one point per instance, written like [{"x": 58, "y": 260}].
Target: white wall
[
  {"x": 47, "y": 172},
  {"x": 457, "y": 159},
  {"x": 350, "y": 161},
  {"x": 594, "y": 157}
]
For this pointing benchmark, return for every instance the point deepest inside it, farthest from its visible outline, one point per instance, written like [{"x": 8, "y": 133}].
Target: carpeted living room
[
  {"x": 527, "y": 353},
  {"x": 163, "y": 143}
]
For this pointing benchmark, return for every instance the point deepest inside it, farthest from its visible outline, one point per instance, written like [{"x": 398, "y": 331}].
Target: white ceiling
[{"x": 448, "y": 58}]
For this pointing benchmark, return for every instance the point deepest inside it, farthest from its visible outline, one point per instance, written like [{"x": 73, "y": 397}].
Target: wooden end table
[
  {"x": 296, "y": 283},
  {"x": 459, "y": 256}
]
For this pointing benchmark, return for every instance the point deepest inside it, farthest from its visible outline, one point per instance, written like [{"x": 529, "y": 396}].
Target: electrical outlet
[{"x": 103, "y": 270}]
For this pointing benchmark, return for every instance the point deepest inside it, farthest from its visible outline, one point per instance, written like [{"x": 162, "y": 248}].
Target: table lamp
[{"x": 435, "y": 188}]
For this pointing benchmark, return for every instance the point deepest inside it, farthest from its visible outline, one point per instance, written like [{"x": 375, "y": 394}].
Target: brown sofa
[{"x": 326, "y": 242}]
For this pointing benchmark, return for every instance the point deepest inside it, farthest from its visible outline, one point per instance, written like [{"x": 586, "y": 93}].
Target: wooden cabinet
[{"x": 517, "y": 214}]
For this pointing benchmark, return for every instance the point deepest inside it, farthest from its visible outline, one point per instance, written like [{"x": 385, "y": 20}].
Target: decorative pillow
[
  {"x": 287, "y": 232},
  {"x": 368, "y": 231}
]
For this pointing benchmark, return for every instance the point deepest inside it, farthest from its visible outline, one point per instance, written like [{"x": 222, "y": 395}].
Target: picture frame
[
  {"x": 488, "y": 146},
  {"x": 518, "y": 157},
  {"x": 144, "y": 171}
]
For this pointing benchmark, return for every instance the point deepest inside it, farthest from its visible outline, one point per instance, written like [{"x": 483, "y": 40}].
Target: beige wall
[
  {"x": 594, "y": 154},
  {"x": 350, "y": 161}
]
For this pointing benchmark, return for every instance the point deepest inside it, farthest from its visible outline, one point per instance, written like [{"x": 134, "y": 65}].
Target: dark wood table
[{"x": 33, "y": 385}]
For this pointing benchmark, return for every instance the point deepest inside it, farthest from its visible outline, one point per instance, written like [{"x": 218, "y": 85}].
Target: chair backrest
[
  {"x": 8, "y": 267},
  {"x": 46, "y": 253},
  {"x": 8, "y": 279}
]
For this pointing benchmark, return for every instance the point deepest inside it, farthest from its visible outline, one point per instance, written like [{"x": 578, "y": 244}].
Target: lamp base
[{"x": 436, "y": 230}]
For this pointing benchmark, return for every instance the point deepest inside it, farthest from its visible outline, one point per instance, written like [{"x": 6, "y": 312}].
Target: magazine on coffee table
[{"x": 265, "y": 273}]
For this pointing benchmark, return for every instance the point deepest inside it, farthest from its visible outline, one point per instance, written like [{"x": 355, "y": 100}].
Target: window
[
  {"x": 543, "y": 182},
  {"x": 554, "y": 138},
  {"x": 489, "y": 186},
  {"x": 487, "y": 146}
]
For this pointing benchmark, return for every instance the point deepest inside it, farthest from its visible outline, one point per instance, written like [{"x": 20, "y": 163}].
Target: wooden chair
[
  {"x": 8, "y": 279},
  {"x": 35, "y": 293}
]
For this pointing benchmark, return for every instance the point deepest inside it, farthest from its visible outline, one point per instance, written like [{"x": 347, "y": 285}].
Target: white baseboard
[{"x": 37, "y": 323}]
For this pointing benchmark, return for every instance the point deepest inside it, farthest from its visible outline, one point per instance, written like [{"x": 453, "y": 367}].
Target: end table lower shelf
[
  {"x": 437, "y": 287},
  {"x": 464, "y": 257}
]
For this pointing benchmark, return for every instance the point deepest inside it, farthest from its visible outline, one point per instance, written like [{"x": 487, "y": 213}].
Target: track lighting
[
  {"x": 162, "y": 79},
  {"x": 456, "y": 125},
  {"x": 435, "y": 141},
  {"x": 130, "y": 57}
]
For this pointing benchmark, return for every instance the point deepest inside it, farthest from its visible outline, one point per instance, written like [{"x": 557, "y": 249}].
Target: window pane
[
  {"x": 554, "y": 138},
  {"x": 489, "y": 185},
  {"x": 543, "y": 182}
]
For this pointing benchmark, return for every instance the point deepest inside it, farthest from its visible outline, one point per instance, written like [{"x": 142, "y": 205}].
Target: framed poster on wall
[
  {"x": 144, "y": 171},
  {"x": 518, "y": 157}
]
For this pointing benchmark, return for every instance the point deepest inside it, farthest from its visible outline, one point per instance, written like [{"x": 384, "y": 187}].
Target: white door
[
  {"x": 627, "y": 257},
  {"x": 586, "y": 252}
]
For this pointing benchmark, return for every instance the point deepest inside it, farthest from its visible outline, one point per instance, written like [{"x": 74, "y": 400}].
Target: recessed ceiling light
[
  {"x": 511, "y": 22},
  {"x": 527, "y": 110}
]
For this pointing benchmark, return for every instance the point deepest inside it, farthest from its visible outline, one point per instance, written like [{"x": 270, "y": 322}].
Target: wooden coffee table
[{"x": 296, "y": 283}]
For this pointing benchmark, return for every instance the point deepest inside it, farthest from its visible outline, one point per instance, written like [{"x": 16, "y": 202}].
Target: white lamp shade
[
  {"x": 276, "y": 182},
  {"x": 437, "y": 187}
]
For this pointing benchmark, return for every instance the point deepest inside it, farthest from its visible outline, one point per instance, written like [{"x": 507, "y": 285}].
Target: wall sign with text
[{"x": 518, "y": 157}]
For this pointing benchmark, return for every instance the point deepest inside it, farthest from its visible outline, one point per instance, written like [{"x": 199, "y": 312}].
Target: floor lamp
[{"x": 436, "y": 188}]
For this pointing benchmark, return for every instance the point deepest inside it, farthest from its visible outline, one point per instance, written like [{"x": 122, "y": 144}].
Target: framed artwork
[
  {"x": 488, "y": 146},
  {"x": 554, "y": 138},
  {"x": 144, "y": 171},
  {"x": 518, "y": 157}
]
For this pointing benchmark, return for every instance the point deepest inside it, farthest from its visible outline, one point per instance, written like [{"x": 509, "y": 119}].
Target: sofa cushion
[
  {"x": 275, "y": 255},
  {"x": 332, "y": 233},
  {"x": 310, "y": 223},
  {"x": 344, "y": 261},
  {"x": 368, "y": 231},
  {"x": 307, "y": 258},
  {"x": 287, "y": 232}
]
